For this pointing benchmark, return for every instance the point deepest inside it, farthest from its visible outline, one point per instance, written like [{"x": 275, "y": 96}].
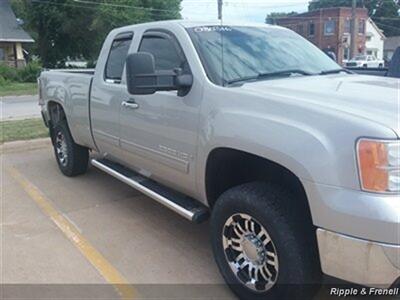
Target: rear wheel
[
  {"x": 263, "y": 246},
  {"x": 72, "y": 158}
]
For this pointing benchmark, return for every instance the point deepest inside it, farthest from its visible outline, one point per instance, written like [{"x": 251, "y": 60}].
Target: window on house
[
  {"x": 2, "y": 56},
  {"x": 361, "y": 26},
  {"x": 117, "y": 56},
  {"x": 329, "y": 27},
  {"x": 347, "y": 26},
  {"x": 311, "y": 29}
]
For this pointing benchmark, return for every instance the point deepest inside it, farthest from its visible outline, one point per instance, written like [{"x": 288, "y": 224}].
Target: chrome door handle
[{"x": 130, "y": 104}]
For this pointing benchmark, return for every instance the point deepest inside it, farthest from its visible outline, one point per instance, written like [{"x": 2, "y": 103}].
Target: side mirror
[
  {"x": 142, "y": 79},
  {"x": 140, "y": 74}
]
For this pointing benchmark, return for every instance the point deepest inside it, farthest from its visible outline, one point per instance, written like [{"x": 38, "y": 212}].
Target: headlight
[{"x": 379, "y": 165}]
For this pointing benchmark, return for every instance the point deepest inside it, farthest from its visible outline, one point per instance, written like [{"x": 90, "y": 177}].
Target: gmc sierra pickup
[{"x": 295, "y": 159}]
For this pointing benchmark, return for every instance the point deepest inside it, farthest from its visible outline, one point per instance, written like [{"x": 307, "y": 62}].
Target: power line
[
  {"x": 99, "y": 3},
  {"x": 124, "y": 6},
  {"x": 62, "y": 4}
]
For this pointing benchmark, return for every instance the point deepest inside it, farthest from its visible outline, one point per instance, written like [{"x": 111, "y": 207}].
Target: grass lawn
[
  {"x": 22, "y": 130},
  {"x": 18, "y": 88}
]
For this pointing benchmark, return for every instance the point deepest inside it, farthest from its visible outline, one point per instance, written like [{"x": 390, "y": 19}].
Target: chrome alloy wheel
[
  {"x": 61, "y": 148},
  {"x": 250, "y": 252}
]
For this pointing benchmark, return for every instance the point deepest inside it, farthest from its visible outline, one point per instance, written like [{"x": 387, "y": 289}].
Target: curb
[
  {"x": 17, "y": 97},
  {"x": 20, "y": 146}
]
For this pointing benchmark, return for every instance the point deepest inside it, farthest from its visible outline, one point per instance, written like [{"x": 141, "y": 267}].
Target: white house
[
  {"x": 374, "y": 40},
  {"x": 12, "y": 37}
]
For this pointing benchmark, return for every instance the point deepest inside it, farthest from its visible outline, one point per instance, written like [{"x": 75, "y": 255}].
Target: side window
[
  {"x": 165, "y": 51},
  {"x": 116, "y": 58}
]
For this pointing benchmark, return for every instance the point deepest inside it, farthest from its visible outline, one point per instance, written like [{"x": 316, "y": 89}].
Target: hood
[{"x": 368, "y": 97}]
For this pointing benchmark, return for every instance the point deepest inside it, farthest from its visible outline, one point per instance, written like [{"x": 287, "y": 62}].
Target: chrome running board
[{"x": 185, "y": 206}]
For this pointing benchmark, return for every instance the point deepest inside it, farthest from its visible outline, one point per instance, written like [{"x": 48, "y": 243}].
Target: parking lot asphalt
[
  {"x": 127, "y": 238},
  {"x": 93, "y": 237}
]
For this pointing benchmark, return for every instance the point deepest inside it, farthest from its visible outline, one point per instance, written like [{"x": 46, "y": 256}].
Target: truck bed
[{"x": 71, "y": 88}]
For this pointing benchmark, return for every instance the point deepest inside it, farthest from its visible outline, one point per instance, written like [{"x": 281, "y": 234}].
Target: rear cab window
[{"x": 116, "y": 57}]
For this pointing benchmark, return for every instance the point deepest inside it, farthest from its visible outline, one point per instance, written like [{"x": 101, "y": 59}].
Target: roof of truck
[
  {"x": 186, "y": 23},
  {"x": 189, "y": 24}
]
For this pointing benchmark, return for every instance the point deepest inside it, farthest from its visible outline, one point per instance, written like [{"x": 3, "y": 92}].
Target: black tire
[
  {"x": 291, "y": 232},
  {"x": 75, "y": 161}
]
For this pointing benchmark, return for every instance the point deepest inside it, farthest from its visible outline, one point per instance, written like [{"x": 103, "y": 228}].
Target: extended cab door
[
  {"x": 108, "y": 93},
  {"x": 159, "y": 134}
]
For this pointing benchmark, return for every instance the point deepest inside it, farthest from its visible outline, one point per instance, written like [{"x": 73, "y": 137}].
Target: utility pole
[
  {"x": 353, "y": 29},
  {"x": 220, "y": 9}
]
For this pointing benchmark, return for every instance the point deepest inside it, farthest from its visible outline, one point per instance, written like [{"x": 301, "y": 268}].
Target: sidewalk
[{"x": 19, "y": 107}]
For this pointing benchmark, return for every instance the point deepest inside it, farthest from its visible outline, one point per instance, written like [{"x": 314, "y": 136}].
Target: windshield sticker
[{"x": 212, "y": 29}]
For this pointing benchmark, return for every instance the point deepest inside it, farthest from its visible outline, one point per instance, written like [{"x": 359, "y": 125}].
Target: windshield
[{"x": 230, "y": 53}]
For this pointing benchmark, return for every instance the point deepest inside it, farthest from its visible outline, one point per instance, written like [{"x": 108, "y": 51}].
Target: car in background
[
  {"x": 365, "y": 61},
  {"x": 392, "y": 69}
]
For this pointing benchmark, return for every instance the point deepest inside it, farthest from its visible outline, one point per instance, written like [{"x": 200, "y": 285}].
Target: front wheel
[
  {"x": 72, "y": 158},
  {"x": 262, "y": 247}
]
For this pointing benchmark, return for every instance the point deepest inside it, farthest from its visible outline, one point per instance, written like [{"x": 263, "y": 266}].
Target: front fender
[{"x": 300, "y": 148}]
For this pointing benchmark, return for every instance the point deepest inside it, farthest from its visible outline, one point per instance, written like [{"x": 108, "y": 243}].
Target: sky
[{"x": 239, "y": 10}]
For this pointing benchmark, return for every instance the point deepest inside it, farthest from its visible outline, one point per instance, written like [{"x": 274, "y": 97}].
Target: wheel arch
[
  {"x": 228, "y": 167},
  {"x": 56, "y": 113}
]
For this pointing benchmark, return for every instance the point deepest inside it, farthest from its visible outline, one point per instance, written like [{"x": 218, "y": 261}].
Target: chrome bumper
[{"x": 358, "y": 261}]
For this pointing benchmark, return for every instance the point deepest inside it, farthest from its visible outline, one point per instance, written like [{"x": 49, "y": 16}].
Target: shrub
[
  {"x": 8, "y": 73},
  {"x": 29, "y": 73},
  {"x": 3, "y": 81}
]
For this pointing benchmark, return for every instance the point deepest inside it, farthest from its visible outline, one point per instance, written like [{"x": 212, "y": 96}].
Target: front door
[{"x": 159, "y": 134}]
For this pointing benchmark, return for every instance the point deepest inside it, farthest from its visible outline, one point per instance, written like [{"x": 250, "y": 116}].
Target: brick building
[{"x": 329, "y": 29}]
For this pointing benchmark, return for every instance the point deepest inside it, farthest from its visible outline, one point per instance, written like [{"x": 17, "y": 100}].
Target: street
[{"x": 19, "y": 107}]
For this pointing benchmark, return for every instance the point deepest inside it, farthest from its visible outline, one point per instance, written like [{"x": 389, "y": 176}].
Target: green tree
[
  {"x": 66, "y": 29},
  {"x": 120, "y": 13},
  {"x": 317, "y": 4},
  {"x": 386, "y": 15},
  {"x": 274, "y": 16},
  {"x": 60, "y": 28}
]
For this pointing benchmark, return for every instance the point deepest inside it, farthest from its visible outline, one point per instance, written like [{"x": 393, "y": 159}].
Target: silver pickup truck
[{"x": 295, "y": 160}]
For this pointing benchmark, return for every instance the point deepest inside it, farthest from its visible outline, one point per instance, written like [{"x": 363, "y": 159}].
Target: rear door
[
  {"x": 159, "y": 136},
  {"x": 108, "y": 94}
]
